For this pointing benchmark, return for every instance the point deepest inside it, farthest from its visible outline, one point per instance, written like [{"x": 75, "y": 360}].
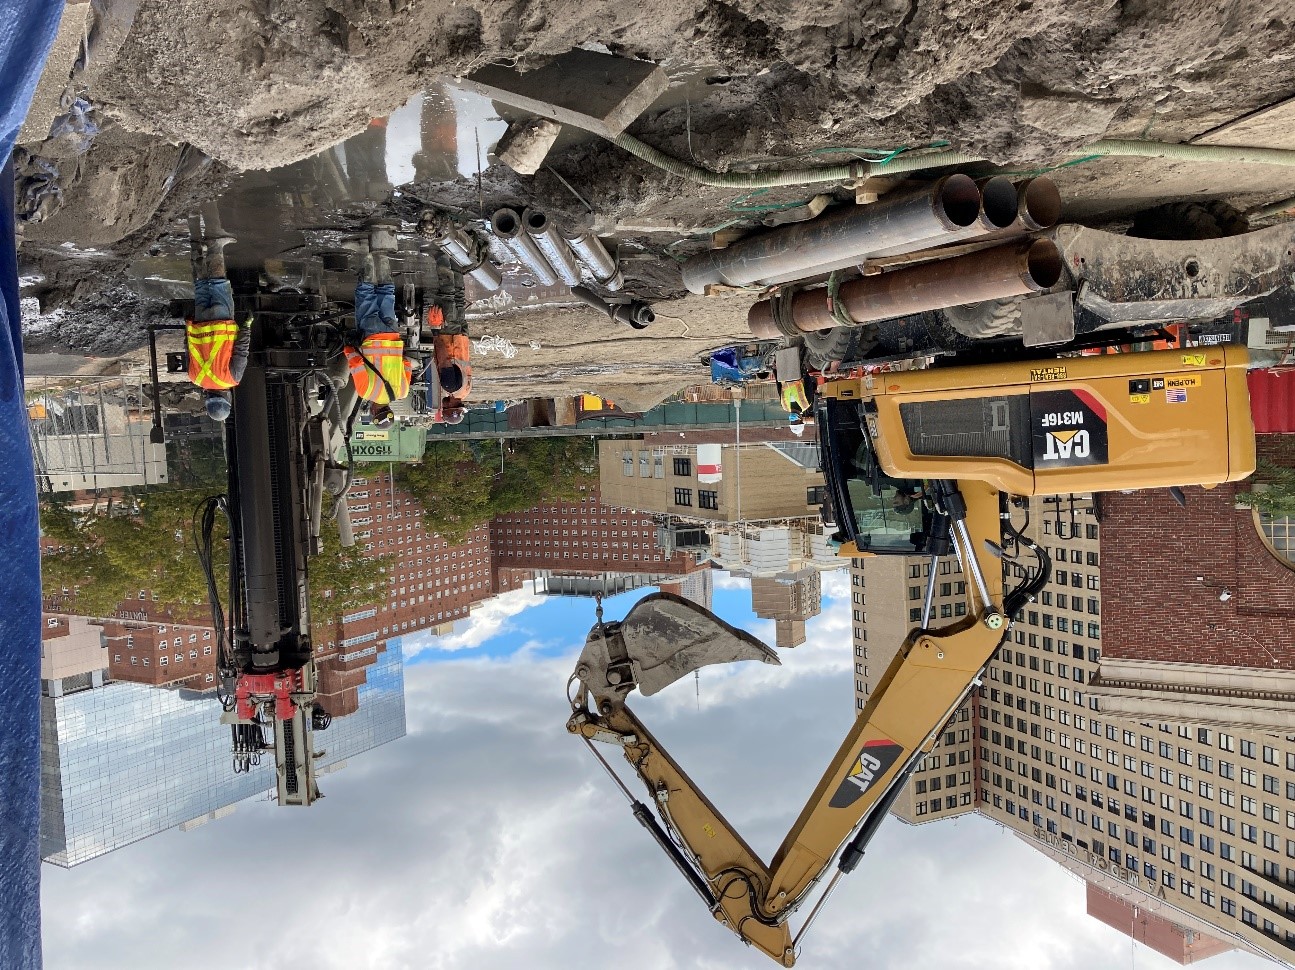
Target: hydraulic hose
[
  {"x": 917, "y": 161},
  {"x": 1214, "y": 154},
  {"x": 803, "y": 176}
]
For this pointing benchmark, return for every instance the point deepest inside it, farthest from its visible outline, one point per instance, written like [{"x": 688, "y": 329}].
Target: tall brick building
[
  {"x": 1198, "y": 613},
  {"x": 1192, "y": 825}
]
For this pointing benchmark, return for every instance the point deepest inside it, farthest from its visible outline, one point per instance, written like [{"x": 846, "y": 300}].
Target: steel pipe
[
  {"x": 1017, "y": 269},
  {"x": 999, "y": 207},
  {"x": 841, "y": 237},
  {"x": 555, "y": 249},
  {"x": 461, "y": 250},
  {"x": 590, "y": 250},
  {"x": 635, "y": 314},
  {"x": 506, "y": 225},
  {"x": 1039, "y": 205}
]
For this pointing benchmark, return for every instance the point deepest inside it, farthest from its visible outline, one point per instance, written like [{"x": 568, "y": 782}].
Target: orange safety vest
[
  {"x": 211, "y": 346},
  {"x": 454, "y": 349},
  {"x": 386, "y": 352}
]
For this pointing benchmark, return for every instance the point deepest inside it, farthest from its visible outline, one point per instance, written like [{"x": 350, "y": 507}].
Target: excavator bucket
[{"x": 663, "y": 638}]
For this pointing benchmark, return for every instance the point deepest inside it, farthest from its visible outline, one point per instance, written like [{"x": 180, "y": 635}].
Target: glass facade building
[{"x": 123, "y": 761}]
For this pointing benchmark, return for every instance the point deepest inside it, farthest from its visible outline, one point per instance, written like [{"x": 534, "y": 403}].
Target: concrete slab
[
  {"x": 45, "y": 105},
  {"x": 585, "y": 89}
]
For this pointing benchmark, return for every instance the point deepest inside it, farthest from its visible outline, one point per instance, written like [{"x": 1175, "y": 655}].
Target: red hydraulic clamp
[{"x": 279, "y": 686}]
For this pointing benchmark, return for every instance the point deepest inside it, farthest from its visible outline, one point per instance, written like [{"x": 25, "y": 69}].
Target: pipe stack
[
  {"x": 954, "y": 209},
  {"x": 461, "y": 249},
  {"x": 550, "y": 255}
]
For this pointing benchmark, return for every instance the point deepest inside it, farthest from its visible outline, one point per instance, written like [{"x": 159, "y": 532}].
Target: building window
[
  {"x": 645, "y": 467},
  {"x": 706, "y": 499},
  {"x": 627, "y": 463},
  {"x": 816, "y": 495},
  {"x": 682, "y": 496},
  {"x": 683, "y": 467}
]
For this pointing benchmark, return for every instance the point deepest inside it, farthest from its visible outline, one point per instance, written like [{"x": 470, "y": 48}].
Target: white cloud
[
  {"x": 836, "y": 584},
  {"x": 489, "y": 620},
  {"x": 726, "y": 580}
]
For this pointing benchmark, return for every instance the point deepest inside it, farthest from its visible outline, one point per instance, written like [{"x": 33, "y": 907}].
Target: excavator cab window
[{"x": 880, "y": 514}]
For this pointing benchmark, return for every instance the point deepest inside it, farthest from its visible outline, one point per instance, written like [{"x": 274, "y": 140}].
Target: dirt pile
[{"x": 263, "y": 82}]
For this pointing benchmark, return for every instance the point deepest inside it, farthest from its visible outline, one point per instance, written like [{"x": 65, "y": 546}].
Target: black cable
[{"x": 203, "y": 523}]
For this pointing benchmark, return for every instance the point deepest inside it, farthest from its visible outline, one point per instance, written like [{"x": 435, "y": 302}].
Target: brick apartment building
[
  {"x": 584, "y": 536},
  {"x": 1179, "y": 584},
  {"x": 1190, "y": 824}
]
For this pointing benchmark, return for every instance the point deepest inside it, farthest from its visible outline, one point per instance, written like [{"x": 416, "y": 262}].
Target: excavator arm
[{"x": 923, "y": 687}]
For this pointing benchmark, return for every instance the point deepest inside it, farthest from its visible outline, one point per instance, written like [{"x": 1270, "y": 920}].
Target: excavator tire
[
  {"x": 1189, "y": 220},
  {"x": 988, "y": 320},
  {"x": 839, "y": 345},
  {"x": 825, "y": 346}
]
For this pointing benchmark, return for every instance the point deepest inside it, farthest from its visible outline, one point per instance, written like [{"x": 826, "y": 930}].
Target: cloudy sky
[{"x": 489, "y": 838}]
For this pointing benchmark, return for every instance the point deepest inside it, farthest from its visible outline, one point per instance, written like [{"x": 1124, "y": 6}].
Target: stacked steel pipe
[
  {"x": 532, "y": 240},
  {"x": 954, "y": 209}
]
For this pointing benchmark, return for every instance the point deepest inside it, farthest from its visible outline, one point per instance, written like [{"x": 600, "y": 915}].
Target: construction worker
[
  {"x": 451, "y": 349},
  {"x": 377, "y": 363},
  {"x": 451, "y": 354},
  {"x": 217, "y": 345}
]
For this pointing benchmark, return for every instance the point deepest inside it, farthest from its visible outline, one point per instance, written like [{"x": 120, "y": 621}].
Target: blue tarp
[{"x": 27, "y": 29}]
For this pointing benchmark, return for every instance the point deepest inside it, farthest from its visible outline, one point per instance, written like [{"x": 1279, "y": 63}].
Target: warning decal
[{"x": 1069, "y": 428}]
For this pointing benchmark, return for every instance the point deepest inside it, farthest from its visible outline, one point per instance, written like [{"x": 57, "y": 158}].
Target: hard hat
[
  {"x": 218, "y": 406},
  {"x": 452, "y": 415},
  {"x": 798, "y": 430}
]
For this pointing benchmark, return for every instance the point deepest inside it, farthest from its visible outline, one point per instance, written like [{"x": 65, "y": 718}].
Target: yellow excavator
[{"x": 932, "y": 462}]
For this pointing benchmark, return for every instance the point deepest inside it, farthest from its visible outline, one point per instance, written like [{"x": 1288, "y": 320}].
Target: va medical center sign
[{"x": 1094, "y": 861}]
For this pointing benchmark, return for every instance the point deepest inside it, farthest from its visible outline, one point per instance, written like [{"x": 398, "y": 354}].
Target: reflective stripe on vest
[
  {"x": 386, "y": 352},
  {"x": 211, "y": 347},
  {"x": 794, "y": 393}
]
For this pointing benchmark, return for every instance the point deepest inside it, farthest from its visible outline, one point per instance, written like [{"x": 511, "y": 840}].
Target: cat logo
[
  {"x": 1061, "y": 445},
  {"x": 874, "y": 760}
]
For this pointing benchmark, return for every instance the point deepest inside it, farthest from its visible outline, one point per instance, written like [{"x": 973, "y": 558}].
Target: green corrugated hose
[{"x": 912, "y": 162}]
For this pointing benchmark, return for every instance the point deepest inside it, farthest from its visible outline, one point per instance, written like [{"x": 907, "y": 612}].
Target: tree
[
  {"x": 145, "y": 541},
  {"x": 343, "y": 579},
  {"x": 461, "y": 487},
  {"x": 1278, "y": 495}
]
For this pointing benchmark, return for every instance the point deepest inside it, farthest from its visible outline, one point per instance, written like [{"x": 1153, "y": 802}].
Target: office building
[
  {"x": 123, "y": 761},
  {"x": 757, "y": 481},
  {"x": 1191, "y": 824},
  {"x": 789, "y": 601}
]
